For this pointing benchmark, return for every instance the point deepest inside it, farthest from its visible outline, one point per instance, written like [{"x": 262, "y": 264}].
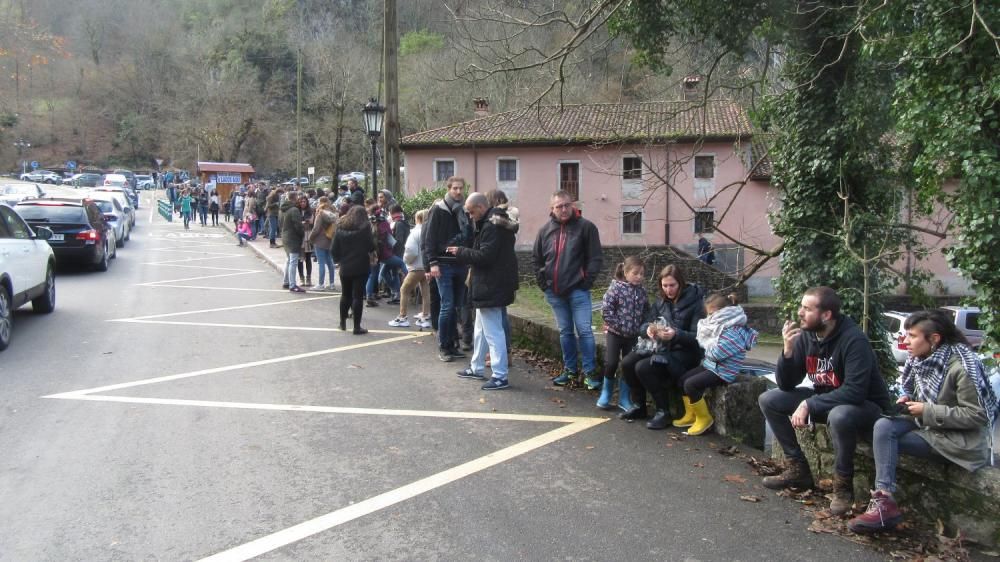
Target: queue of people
[{"x": 459, "y": 261}]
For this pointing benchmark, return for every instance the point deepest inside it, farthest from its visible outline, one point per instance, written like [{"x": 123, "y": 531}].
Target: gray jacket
[{"x": 955, "y": 426}]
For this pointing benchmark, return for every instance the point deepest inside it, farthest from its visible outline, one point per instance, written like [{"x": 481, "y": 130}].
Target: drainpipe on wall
[
  {"x": 666, "y": 198},
  {"x": 475, "y": 167}
]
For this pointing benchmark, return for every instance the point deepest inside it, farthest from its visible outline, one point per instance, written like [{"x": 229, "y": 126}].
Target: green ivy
[{"x": 423, "y": 199}]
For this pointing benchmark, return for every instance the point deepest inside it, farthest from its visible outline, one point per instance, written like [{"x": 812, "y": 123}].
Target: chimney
[
  {"x": 481, "y": 107},
  {"x": 691, "y": 87}
]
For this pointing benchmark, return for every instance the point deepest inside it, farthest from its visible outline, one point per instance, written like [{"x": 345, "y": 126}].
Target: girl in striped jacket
[{"x": 726, "y": 339}]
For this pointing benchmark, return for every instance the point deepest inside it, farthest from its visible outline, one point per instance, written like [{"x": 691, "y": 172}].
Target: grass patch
[{"x": 531, "y": 298}]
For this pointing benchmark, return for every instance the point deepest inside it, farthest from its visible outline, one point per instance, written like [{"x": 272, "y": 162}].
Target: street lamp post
[
  {"x": 374, "y": 114},
  {"x": 21, "y": 144}
]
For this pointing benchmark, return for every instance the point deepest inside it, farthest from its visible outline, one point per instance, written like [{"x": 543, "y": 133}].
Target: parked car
[
  {"x": 129, "y": 175},
  {"x": 110, "y": 205},
  {"x": 359, "y": 176},
  {"x": 11, "y": 193},
  {"x": 85, "y": 179},
  {"x": 42, "y": 176},
  {"x": 144, "y": 182},
  {"x": 893, "y": 321},
  {"x": 324, "y": 180},
  {"x": 966, "y": 319},
  {"x": 27, "y": 270},
  {"x": 123, "y": 199},
  {"x": 80, "y": 233}
]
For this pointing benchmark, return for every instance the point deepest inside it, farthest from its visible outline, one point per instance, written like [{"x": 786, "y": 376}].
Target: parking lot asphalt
[{"x": 183, "y": 406}]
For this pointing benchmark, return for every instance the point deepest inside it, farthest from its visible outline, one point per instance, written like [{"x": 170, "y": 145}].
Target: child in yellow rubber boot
[{"x": 726, "y": 339}]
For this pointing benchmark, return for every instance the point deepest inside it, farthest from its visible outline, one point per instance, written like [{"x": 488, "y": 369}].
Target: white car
[
  {"x": 897, "y": 335},
  {"x": 143, "y": 181},
  {"x": 359, "y": 176},
  {"x": 27, "y": 270},
  {"x": 966, "y": 319},
  {"x": 123, "y": 199},
  {"x": 44, "y": 176},
  {"x": 12, "y": 193}
]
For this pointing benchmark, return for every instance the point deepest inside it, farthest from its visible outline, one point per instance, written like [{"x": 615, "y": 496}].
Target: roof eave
[{"x": 575, "y": 142}]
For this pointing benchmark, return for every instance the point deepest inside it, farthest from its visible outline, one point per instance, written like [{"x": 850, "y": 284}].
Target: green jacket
[
  {"x": 185, "y": 203},
  {"x": 292, "y": 229},
  {"x": 955, "y": 426}
]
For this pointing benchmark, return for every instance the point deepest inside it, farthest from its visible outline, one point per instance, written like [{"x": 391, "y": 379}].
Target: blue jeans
[
  {"x": 202, "y": 213},
  {"x": 573, "y": 317},
  {"x": 325, "y": 261},
  {"x": 372, "y": 285},
  {"x": 489, "y": 334},
  {"x": 272, "y": 227},
  {"x": 388, "y": 273},
  {"x": 291, "y": 270},
  {"x": 451, "y": 288},
  {"x": 891, "y": 437}
]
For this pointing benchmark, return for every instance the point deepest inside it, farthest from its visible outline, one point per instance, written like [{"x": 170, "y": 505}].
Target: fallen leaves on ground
[
  {"x": 558, "y": 401},
  {"x": 699, "y": 465},
  {"x": 729, "y": 451},
  {"x": 764, "y": 467},
  {"x": 734, "y": 478},
  {"x": 353, "y": 366},
  {"x": 752, "y": 499},
  {"x": 482, "y": 400}
]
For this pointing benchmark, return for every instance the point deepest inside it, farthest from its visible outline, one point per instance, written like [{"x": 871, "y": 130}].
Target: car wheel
[
  {"x": 114, "y": 250},
  {"x": 128, "y": 235},
  {"x": 47, "y": 301},
  {"x": 6, "y": 318},
  {"x": 103, "y": 264},
  {"x": 120, "y": 242}
]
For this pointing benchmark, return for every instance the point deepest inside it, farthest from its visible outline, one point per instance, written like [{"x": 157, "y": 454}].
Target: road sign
[
  {"x": 159, "y": 162},
  {"x": 34, "y": 164},
  {"x": 311, "y": 171},
  {"x": 71, "y": 165}
]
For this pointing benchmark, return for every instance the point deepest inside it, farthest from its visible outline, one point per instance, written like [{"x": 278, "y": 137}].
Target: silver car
[
  {"x": 12, "y": 193},
  {"x": 110, "y": 205}
]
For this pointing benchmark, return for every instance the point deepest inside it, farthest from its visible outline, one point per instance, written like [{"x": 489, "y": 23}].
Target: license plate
[{"x": 57, "y": 237}]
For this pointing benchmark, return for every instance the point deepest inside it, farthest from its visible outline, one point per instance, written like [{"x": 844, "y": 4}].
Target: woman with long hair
[
  {"x": 946, "y": 411},
  {"x": 672, "y": 348},
  {"x": 352, "y": 248},
  {"x": 321, "y": 236}
]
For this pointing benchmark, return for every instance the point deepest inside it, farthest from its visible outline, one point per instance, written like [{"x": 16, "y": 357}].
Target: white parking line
[
  {"x": 259, "y": 327},
  {"x": 224, "y": 308},
  {"x": 322, "y": 523},
  {"x": 154, "y": 283},
  {"x": 157, "y": 284}
]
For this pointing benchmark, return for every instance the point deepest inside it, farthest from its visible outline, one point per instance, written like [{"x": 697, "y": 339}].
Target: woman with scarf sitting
[{"x": 947, "y": 410}]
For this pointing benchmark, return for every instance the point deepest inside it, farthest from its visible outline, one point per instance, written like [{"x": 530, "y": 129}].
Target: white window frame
[
  {"x": 517, "y": 170},
  {"x": 579, "y": 174},
  {"x": 454, "y": 167},
  {"x": 621, "y": 220}
]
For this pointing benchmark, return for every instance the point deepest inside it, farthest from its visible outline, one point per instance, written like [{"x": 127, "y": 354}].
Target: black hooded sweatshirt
[{"x": 841, "y": 366}]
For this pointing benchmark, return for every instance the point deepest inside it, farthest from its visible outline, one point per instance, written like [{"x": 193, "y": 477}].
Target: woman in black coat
[
  {"x": 352, "y": 247},
  {"x": 676, "y": 348}
]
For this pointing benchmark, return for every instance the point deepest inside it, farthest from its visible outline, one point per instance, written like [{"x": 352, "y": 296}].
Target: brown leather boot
[
  {"x": 843, "y": 495},
  {"x": 796, "y": 475}
]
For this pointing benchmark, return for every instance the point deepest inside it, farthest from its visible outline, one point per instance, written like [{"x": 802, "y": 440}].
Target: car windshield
[
  {"x": 17, "y": 189},
  {"x": 52, "y": 213},
  {"x": 105, "y": 206}
]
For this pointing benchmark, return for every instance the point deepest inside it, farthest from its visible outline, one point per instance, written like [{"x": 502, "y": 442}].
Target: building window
[
  {"x": 704, "y": 221},
  {"x": 506, "y": 169},
  {"x": 632, "y": 168},
  {"x": 704, "y": 167},
  {"x": 569, "y": 178},
  {"x": 631, "y": 220},
  {"x": 443, "y": 169}
]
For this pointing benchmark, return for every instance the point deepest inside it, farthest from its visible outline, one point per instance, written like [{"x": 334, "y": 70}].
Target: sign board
[
  {"x": 159, "y": 162},
  {"x": 70, "y": 165},
  {"x": 311, "y": 171},
  {"x": 34, "y": 164},
  {"x": 228, "y": 178}
]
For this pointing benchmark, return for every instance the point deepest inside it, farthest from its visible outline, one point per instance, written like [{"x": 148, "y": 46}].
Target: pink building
[{"x": 647, "y": 174}]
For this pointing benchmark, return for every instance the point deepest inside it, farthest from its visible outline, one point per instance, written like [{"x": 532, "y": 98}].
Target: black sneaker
[
  {"x": 445, "y": 355},
  {"x": 470, "y": 374},
  {"x": 456, "y": 354}
]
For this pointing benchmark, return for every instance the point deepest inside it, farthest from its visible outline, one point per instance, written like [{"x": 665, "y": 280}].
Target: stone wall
[
  {"x": 928, "y": 489},
  {"x": 656, "y": 258}
]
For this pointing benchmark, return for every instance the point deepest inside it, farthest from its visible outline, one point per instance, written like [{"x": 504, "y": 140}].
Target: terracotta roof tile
[{"x": 594, "y": 123}]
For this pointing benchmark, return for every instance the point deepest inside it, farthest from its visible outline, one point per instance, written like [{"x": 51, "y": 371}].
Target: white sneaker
[
  {"x": 400, "y": 322},
  {"x": 424, "y": 323}
]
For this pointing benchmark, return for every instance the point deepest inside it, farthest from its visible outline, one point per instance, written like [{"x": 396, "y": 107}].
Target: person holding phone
[
  {"x": 848, "y": 394},
  {"x": 946, "y": 411}
]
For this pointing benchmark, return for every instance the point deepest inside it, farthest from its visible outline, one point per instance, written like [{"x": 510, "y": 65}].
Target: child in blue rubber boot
[{"x": 623, "y": 308}]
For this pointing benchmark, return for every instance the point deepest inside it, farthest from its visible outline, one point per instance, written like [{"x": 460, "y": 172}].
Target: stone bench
[{"x": 929, "y": 489}]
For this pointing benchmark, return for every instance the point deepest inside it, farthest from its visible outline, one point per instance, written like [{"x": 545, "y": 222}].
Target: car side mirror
[{"x": 43, "y": 233}]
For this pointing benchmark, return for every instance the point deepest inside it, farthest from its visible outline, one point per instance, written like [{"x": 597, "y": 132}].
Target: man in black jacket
[
  {"x": 848, "y": 392},
  {"x": 447, "y": 225},
  {"x": 567, "y": 258},
  {"x": 492, "y": 286}
]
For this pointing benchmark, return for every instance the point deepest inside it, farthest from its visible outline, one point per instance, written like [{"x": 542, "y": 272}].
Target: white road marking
[
  {"x": 258, "y": 327},
  {"x": 224, "y": 308},
  {"x": 156, "y": 284},
  {"x": 78, "y": 393},
  {"x": 195, "y": 266},
  {"x": 215, "y": 256},
  {"x": 322, "y": 523},
  {"x": 153, "y": 283}
]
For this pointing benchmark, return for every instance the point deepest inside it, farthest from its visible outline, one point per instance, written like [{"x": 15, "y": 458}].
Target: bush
[{"x": 420, "y": 200}]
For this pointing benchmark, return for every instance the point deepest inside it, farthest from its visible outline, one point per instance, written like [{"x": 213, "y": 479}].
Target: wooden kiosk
[{"x": 227, "y": 177}]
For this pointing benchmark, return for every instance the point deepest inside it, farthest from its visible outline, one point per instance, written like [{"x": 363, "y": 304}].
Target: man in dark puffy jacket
[
  {"x": 447, "y": 225},
  {"x": 567, "y": 259},
  {"x": 492, "y": 286},
  {"x": 848, "y": 392},
  {"x": 292, "y": 234}
]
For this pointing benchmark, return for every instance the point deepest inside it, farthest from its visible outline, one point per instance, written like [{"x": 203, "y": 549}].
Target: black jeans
[
  {"x": 846, "y": 423},
  {"x": 696, "y": 381},
  {"x": 643, "y": 373},
  {"x": 352, "y": 294},
  {"x": 615, "y": 347}
]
